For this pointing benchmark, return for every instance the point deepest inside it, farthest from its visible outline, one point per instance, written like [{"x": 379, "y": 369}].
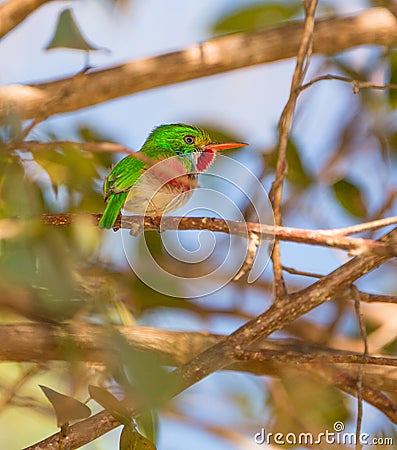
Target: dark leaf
[
  {"x": 148, "y": 424},
  {"x": 315, "y": 404},
  {"x": 297, "y": 173},
  {"x": 350, "y": 198},
  {"x": 258, "y": 16},
  {"x": 393, "y": 79},
  {"x": 130, "y": 439},
  {"x": 110, "y": 403},
  {"x": 66, "y": 408},
  {"x": 141, "y": 373},
  {"x": 68, "y": 35}
]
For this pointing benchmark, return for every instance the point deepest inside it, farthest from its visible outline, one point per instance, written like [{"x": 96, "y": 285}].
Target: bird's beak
[{"x": 223, "y": 146}]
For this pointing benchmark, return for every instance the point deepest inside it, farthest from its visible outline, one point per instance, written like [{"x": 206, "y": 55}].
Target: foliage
[{"x": 341, "y": 171}]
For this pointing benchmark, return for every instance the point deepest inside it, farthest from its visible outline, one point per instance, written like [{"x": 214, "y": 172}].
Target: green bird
[{"x": 160, "y": 177}]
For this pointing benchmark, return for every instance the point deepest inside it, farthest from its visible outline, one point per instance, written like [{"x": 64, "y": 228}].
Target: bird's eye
[{"x": 189, "y": 139}]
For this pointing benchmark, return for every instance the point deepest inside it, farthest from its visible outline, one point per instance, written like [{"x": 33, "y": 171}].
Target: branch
[
  {"x": 97, "y": 147},
  {"x": 284, "y": 127},
  {"x": 13, "y": 12},
  {"x": 275, "y": 318},
  {"x": 32, "y": 342},
  {"x": 327, "y": 238},
  {"x": 375, "y": 26},
  {"x": 356, "y": 84}
]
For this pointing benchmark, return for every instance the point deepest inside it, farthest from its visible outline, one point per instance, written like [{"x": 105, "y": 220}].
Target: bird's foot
[{"x": 136, "y": 229}]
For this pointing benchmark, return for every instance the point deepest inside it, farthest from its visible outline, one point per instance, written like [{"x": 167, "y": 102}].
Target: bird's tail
[{"x": 113, "y": 206}]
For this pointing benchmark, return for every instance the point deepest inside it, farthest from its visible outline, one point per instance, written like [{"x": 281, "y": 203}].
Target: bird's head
[{"x": 185, "y": 140}]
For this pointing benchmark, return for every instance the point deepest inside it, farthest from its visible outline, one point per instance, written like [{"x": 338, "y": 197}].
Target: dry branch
[
  {"x": 284, "y": 127},
  {"x": 327, "y": 238},
  {"x": 375, "y": 26},
  {"x": 275, "y": 318},
  {"x": 33, "y": 342},
  {"x": 13, "y": 12}
]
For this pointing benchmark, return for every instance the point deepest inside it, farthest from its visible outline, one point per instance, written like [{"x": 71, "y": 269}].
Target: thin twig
[
  {"x": 357, "y": 85},
  {"x": 34, "y": 146},
  {"x": 363, "y": 333},
  {"x": 295, "y": 357},
  {"x": 284, "y": 127},
  {"x": 366, "y": 226},
  {"x": 302, "y": 273},
  {"x": 26, "y": 376},
  {"x": 377, "y": 298},
  {"x": 253, "y": 244}
]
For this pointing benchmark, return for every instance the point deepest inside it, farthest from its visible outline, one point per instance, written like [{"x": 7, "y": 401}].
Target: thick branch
[
  {"x": 33, "y": 342},
  {"x": 13, "y": 12},
  {"x": 276, "y": 317},
  {"x": 376, "y": 26}
]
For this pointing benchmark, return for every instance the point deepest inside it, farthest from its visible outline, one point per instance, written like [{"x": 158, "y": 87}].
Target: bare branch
[
  {"x": 13, "y": 12},
  {"x": 356, "y": 246},
  {"x": 375, "y": 26},
  {"x": 364, "y": 337},
  {"x": 276, "y": 317},
  {"x": 356, "y": 84},
  {"x": 34, "y": 146},
  {"x": 284, "y": 127}
]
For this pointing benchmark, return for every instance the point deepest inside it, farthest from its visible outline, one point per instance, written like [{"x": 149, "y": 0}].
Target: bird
[{"x": 162, "y": 175}]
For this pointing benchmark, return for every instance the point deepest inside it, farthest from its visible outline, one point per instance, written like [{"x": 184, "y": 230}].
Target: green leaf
[
  {"x": 75, "y": 169},
  {"x": 258, "y": 16},
  {"x": 148, "y": 424},
  {"x": 68, "y": 35},
  {"x": 141, "y": 373},
  {"x": 350, "y": 198},
  {"x": 130, "y": 439},
  {"x": 108, "y": 401},
  {"x": 297, "y": 173},
  {"x": 314, "y": 403},
  {"x": 66, "y": 408},
  {"x": 393, "y": 79}
]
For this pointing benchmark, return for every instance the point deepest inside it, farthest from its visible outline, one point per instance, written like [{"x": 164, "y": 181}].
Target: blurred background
[{"x": 342, "y": 161}]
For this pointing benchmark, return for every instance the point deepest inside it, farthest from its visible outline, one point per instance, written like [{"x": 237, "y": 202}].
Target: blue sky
[{"x": 247, "y": 101}]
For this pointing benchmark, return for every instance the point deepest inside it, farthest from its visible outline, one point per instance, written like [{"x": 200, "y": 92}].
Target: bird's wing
[{"x": 123, "y": 176}]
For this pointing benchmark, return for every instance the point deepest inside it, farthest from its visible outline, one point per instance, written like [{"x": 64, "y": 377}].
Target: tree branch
[
  {"x": 375, "y": 26},
  {"x": 13, "y": 12},
  {"x": 284, "y": 127},
  {"x": 275, "y": 318},
  {"x": 32, "y": 342},
  {"x": 327, "y": 238},
  {"x": 356, "y": 84}
]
